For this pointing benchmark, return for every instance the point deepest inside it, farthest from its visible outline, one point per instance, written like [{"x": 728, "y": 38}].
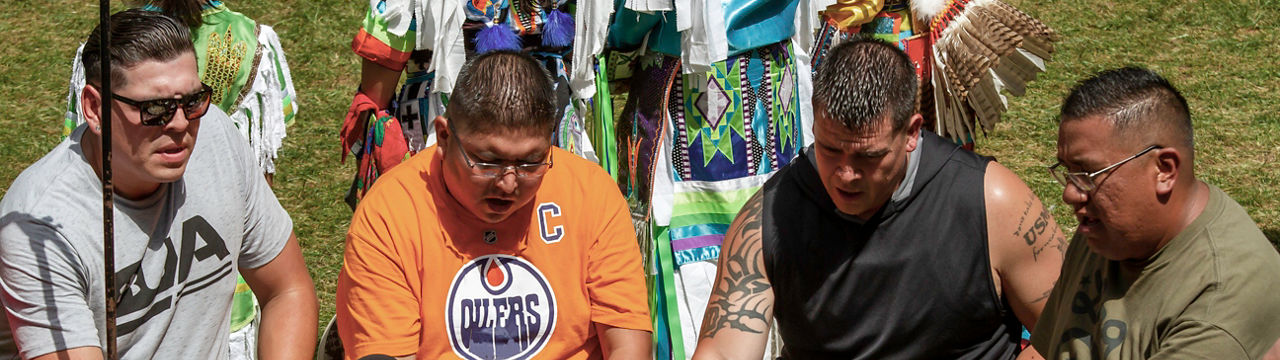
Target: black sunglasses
[{"x": 158, "y": 112}]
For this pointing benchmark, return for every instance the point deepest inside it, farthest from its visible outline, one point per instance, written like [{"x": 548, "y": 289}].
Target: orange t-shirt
[{"x": 423, "y": 276}]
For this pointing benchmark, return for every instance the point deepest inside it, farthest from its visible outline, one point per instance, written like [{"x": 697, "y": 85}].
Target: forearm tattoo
[{"x": 741, "y": 298}]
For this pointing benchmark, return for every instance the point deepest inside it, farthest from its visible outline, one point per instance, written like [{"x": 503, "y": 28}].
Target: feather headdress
[{"x": 980, "y": 48}]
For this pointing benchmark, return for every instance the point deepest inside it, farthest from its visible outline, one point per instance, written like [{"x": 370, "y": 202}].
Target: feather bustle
[{"x": 983, "y": 48}]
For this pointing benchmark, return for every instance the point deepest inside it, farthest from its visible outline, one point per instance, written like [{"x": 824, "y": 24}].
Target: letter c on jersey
[{"x": 547, "y": 211}]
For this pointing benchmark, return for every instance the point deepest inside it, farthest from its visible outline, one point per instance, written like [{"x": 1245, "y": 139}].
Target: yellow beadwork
[{"x": 225, "y": 57}]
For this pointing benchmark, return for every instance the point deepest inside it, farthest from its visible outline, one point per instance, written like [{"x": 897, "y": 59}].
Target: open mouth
[
  {"x": 847, "y": 195},
  {"x": 1088, "y": 223},
  {"x": 499, "y": 205}
]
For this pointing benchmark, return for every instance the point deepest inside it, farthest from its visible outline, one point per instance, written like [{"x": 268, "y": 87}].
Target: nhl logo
[
  {"x": 499, "y": 307},
  {"x": 490, "y": 237}
]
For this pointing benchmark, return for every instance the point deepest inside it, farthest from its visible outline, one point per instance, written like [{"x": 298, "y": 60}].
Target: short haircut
[
  {"x": 864, "y": 79},
  {"x": 137, "y": 36},
  {"x": 503, "y": 91},
  {"x": 1131, "y": 98}
]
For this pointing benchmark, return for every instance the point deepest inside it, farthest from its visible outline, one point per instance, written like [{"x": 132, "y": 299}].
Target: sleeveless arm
[
  {"x": 377, "y": 40},
  {"x": 383, "y": 57},
  {"x": 740, "y": 309},
  {"x": 1026, "y": 252}
]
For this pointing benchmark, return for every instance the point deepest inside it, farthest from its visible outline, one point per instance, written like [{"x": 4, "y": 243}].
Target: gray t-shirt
[{"x": 175, "y": 251}]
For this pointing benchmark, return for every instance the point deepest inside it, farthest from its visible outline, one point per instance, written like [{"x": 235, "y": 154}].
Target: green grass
[
  {"x": 310, "y": 181},
  {"x": 1222, "y": 54}
]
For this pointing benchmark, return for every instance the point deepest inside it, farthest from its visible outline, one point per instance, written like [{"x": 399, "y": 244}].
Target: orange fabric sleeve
[
  {"x": 615, "y": 277},
  {"x": 377, "y": 308},
  {"x": 369, "y": 47}
]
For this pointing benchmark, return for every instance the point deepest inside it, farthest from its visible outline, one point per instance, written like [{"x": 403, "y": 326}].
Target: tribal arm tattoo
[{"x": 742, "y": 298}]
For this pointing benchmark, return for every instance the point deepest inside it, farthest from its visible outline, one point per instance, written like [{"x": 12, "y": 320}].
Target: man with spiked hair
[
  {"x": 882, "y": 240},
  {"x": 187, "y": 214},
  {"x": 1163, "y": 265},
  {"x": 493, "y": 244}
]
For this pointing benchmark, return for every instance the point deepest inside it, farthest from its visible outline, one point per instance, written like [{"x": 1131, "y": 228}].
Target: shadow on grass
[{"x": 1274, "y": 236}]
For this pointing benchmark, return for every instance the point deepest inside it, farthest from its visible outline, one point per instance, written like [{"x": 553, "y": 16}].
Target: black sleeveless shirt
[{"x": 912, "y": 282}]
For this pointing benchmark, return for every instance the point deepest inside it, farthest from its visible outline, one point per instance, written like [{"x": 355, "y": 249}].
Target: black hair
[
  {"x": 1131, "y": 98},
  {"x": 503, "y": 91},
  {"x": 864, "y": 79},
  {"x": 136, "y": 36}
]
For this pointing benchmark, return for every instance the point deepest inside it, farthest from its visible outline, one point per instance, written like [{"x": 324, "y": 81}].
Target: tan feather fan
[{"x": 980, "y": 48}]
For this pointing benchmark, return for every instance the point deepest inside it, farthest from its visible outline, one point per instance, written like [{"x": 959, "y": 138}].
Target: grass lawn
[{"x": 1221, "y": 54}]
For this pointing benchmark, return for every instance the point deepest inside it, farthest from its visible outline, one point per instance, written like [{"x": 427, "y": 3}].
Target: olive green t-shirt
[{"x": 1212, "y": 292}]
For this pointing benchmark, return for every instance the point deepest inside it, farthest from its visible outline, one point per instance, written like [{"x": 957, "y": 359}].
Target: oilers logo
[{"x": 500, "y": 307}]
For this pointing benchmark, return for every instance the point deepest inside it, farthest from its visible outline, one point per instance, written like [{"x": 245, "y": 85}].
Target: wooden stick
[{"x": 108, "y": 190}]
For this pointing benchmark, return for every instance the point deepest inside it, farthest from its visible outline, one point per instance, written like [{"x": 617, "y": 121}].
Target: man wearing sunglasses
[
  {"x": 187, "y": 214},
  {"x": 1162, "y": 265},
  {"x": 493, "y": 244}
]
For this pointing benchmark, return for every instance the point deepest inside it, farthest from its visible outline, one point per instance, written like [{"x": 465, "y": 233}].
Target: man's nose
[
  {"x": 178, "y": 122},
  {"x": 507, "y": 181},
  {"x": 847, "y": 173},
  {"x": 1073, "y": 195}
]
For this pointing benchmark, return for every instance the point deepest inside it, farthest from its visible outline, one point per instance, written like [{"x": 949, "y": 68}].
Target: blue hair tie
[
  {"x": 497, "y": 37},
  {"x": 558, "y": 30}
]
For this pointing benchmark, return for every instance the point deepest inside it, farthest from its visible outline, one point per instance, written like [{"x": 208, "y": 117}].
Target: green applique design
[{"x": 716, "y": 130}]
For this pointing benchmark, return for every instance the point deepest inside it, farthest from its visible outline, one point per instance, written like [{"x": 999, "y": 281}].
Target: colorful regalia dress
[
  {"x": 432, "y": 57},
  {"x": 890, "y": 21},
  {"x": 966, "y": 53},
  {"x": 244, "y": 64},
  {"x": 713, "y": 108}
]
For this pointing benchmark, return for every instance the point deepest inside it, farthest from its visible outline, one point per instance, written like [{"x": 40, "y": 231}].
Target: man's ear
[
  {"x": 442, "y": 132},
  {"x": 913, "y": 131},
  {"x": 91, "y": 108},
  {"x": 1168, "y": 165}
]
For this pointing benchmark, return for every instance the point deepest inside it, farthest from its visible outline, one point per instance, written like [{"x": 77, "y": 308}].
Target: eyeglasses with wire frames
[
  {"x": 492, "y": 170},
  {"x": 1085, "y": 180},
  {"x": 159, "y": 112}
]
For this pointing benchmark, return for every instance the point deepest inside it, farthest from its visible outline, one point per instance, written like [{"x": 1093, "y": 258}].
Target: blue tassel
[
  {"x": 558, "y": 30},
  {"x": 497, "y": 37}
]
